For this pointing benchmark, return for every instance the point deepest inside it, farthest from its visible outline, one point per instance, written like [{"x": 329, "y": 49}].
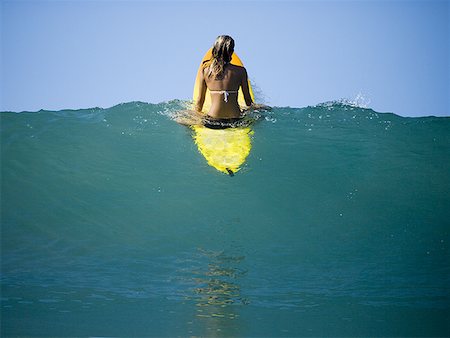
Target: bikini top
[{"x": 224, "y": 92}]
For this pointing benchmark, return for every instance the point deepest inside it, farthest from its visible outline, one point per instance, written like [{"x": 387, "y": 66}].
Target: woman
[{"x": 223, "y": 80}]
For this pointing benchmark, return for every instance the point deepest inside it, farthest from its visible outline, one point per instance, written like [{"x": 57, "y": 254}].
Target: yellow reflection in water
[{"x": 218, "y": 293}]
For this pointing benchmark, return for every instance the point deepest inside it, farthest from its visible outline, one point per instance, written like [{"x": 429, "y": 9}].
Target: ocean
[{"x": 113, "y": 224}]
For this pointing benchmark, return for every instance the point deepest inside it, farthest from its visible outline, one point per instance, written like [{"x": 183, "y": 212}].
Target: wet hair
[{"x": 222, "y": 51}]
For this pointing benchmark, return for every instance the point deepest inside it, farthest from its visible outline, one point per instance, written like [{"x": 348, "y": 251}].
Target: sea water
[{"x": 113, "y": 224}]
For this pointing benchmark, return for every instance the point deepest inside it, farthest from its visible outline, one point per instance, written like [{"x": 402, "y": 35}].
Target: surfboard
[{"x": 224, "y": 149}]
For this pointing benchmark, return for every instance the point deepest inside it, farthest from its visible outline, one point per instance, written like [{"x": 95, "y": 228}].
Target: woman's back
[{"x": 224, "y": 91}]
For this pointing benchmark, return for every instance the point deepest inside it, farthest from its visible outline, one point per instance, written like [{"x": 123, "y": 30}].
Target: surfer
[{"x": 223, "y": 80}]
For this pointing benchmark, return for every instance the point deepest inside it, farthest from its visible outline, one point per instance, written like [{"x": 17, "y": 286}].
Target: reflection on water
[
  {"x": 217, "y": 293},
  {"x": 218, "y": 284}
]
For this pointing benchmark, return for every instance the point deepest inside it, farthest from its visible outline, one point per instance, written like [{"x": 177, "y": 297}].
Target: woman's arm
[
  {"x": 245, "y": 89},
  {"x": 201, "y": 92}
]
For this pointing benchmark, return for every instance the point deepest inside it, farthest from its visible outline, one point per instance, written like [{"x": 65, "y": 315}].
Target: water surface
[{"x": 112, "y": 223}]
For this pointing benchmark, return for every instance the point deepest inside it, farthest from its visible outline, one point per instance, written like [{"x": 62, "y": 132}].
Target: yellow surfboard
[{"x": 224, "y": 149}]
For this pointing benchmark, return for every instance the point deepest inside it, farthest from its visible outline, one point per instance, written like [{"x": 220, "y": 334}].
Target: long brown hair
[{"x": 222, "y": 51}]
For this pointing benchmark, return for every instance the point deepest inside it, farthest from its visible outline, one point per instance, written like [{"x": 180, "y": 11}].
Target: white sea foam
[{"x": 359, "y": 101}]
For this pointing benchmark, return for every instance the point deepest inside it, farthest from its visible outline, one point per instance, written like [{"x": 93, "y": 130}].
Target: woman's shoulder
[
  {"x": 237, "y": 69},
  {"x": 236, "y": 66}
]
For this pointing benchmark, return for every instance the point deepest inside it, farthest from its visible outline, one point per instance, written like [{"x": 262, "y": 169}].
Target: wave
[{"x": 122, "y": 190}]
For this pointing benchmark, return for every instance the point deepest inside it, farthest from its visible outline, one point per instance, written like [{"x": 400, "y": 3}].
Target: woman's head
[
  {"x": 223, "y": 48},
  {"x": 222, "y": 51}
]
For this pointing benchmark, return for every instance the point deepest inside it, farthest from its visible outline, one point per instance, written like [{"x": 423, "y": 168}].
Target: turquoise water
[{"x": 113, "y": 224}]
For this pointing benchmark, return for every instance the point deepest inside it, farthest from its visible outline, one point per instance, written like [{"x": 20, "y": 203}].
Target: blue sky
[{"x": 81, "y": 54}]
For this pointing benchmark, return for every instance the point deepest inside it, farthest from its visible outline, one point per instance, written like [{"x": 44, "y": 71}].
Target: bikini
[
  {"x": 215, "y": 123},
  {"x": 225, "y": 93}
]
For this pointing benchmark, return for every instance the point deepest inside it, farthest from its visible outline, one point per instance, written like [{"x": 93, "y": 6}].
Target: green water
[{"x": 113, "y": 224}]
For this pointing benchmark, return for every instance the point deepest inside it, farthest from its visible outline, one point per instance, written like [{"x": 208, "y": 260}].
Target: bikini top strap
[{"x": 225, "y": 93}]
